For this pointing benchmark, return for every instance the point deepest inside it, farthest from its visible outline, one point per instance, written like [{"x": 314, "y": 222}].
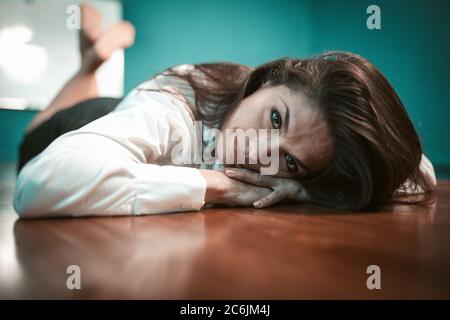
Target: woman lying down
[{"x": 328, "y": 130}]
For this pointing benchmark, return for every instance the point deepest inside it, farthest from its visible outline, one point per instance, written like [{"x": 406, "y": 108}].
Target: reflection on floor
[{"x": 286, "y": 252}]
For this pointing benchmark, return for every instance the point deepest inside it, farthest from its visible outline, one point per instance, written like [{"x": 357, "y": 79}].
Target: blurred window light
[
  {"x": 21, "y": 61},
  {"x": 39, "y": 53}
]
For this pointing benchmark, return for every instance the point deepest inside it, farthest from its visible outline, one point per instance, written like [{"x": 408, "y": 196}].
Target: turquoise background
[{"x": 412, "y": 49}]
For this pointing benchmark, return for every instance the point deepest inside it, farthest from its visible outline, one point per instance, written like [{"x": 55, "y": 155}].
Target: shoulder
[
  {"x": 184, "y": 68},
  {"x": 427, "y": 169},
  {"x": 168, "y": 77}
]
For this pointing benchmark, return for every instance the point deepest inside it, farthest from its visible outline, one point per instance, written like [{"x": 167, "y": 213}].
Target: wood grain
[{"x": 285, "y": 252}]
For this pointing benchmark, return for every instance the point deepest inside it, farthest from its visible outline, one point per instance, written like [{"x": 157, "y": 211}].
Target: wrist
[{"x": 214, "y": 186}]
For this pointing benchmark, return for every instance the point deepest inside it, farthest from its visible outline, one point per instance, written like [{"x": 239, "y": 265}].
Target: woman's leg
[{"x": 95, "y": 48}]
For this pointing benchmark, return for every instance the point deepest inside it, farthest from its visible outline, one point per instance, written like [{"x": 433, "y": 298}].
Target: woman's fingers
[
  {"x": 272, "y": 198},
  {"x": 299, "y": 193},
  {"x": 281, "y": 187},
  {"x": 251, "y": 177}
]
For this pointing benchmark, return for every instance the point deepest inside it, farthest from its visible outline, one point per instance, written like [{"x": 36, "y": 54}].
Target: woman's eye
[
  {"x": 275, "y": 117},
  {"x": 290, "y": 163}
]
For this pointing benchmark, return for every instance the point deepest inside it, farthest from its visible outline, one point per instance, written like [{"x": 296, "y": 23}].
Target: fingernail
[
  {"x": 257, "y": 203},
  {"x": 228, "y": 171}
]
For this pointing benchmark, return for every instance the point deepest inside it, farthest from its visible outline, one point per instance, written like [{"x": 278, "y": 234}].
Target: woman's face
[{"x": 305, "y": 144}]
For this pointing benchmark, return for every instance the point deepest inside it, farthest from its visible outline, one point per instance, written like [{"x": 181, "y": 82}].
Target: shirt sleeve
[
  {"x": 116, "y": 165},
  {"x": 426, "y": 167}
]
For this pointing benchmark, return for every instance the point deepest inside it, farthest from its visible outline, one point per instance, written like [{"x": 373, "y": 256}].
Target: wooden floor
[{"x": 289, "y": 252}]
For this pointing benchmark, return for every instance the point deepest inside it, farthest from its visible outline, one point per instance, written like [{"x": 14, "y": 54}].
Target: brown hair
[{"x": 376, "y": 148}]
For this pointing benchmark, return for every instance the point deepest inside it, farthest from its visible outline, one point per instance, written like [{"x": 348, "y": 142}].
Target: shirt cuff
[{"x": 164, "y": 189}]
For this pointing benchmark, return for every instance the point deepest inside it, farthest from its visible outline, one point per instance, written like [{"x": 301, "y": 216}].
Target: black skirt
[{"x": 73, "y": 118}]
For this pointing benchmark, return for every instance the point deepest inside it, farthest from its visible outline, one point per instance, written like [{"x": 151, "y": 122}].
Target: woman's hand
[
  {"x": 224, "y": 190},
  {"x": 282, "y": 188}
]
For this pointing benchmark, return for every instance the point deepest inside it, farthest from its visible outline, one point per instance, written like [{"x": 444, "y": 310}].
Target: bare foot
[
  {"x": 117, "y": 36},
  {"x": 91, "y": 23},
  {"x": 96, "y": 47}
]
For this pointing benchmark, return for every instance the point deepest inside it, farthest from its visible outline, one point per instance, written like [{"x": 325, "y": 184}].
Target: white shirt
[{"x": 121, "y": 163}]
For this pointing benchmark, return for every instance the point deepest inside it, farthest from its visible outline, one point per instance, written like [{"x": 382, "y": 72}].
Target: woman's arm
[
  {"x": 227, "y": 191},
  {"x": 90, "y": 181},
  {"x": 113, "y": 166}
]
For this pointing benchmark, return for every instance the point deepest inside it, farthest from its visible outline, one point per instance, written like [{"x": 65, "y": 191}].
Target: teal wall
[
  {"x": 191, "y": 31},
  {"x": 412, "y": 49},
  {"x": 12, "y": 126}
]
